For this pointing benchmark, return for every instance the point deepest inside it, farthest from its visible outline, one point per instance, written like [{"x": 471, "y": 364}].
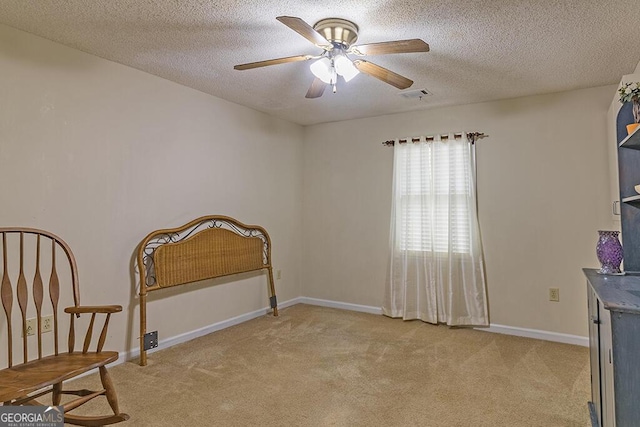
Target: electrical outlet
[
  {"x": 32, "y": 326},
  {"x": 47, "y": 323},
  {"x": 278, "y": 274},
  {"x": 554, "y": 294}
]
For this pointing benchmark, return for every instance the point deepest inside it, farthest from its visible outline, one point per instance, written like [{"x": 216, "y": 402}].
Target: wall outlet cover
[
  {"x": 47, "y": 323},
  {"x": 32, "y": 326}
]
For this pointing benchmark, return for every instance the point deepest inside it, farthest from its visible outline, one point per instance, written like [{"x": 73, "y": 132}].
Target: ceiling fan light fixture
[
  {"x": 345, "y": 67},
  {"x": 322, "y": 69}
]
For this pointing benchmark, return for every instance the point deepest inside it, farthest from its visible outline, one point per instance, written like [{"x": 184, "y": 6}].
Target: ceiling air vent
[{"x": 418, "y": 94}]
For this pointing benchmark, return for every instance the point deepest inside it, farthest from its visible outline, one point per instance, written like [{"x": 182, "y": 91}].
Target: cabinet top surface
[{"x": 617, "y": 293}]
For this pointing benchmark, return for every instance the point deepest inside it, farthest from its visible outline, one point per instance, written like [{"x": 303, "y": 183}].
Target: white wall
[
  {"x": 542, "y": 188},
  {"x": 102, "y": 154}
]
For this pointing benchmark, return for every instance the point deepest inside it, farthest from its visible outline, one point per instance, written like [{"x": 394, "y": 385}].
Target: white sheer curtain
[{"x": 436, "y": 270}]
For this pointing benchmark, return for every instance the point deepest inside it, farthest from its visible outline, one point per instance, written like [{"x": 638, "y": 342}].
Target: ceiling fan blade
[
  {"x": 306, "y": 31},
  {"x": 316, "y": 89},
  {"x": 398, "y": 46},
  {"x": 383, "y": 74},
  {"x": 259, "y": 64}
]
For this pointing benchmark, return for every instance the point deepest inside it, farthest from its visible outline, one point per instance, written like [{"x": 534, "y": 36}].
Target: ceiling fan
[{"x": 336, "y": 37}]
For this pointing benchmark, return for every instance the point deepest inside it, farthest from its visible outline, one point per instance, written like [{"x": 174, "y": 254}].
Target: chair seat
[{"x": 20, "y": 380}]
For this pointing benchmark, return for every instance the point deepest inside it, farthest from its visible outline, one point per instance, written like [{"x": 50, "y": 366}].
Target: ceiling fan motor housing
[{"x": 338, "y": 31}]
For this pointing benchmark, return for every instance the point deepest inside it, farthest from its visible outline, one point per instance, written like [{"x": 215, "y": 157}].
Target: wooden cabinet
[
  {"x": 629, "y": 177},
  {"x": 614, "y": 349},
  {"x": 628, "y": 169}
]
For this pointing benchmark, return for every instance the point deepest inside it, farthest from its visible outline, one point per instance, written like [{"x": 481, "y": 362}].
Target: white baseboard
[
  {"x": 340, "y": 305},
  {"x": 499, "y": 329},
  {"x": 187, "y": 336},
  {"x": 538, "y": 334}
]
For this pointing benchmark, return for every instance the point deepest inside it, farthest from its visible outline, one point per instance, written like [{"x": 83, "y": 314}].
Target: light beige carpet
[{"x": 315, "y": 366}]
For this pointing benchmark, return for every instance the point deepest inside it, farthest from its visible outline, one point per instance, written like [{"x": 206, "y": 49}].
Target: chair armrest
[{"x": 94, "y": 309}]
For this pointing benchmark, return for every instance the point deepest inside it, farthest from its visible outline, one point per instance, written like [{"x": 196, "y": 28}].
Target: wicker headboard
[{"x": 205, "y": 248}]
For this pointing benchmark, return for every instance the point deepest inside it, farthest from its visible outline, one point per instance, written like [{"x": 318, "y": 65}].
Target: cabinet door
[
  {"x": 606, "y": 370},
  {"x": 594, "y": 351}
]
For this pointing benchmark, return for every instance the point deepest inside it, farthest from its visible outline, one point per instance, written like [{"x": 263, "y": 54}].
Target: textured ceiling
[{"x": 480, "y": 50}]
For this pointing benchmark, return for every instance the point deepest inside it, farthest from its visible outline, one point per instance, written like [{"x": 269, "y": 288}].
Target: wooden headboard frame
[{"x": 205, "y": 248}]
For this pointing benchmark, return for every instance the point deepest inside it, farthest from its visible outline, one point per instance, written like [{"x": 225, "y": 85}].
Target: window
[{"x": 433, "y": 193}]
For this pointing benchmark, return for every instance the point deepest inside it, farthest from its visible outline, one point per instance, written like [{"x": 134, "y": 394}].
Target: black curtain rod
[{"x": 472, "y": 137}]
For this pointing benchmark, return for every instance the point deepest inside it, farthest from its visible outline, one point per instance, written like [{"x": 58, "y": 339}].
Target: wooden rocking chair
[{"x": 22, "y": 384}]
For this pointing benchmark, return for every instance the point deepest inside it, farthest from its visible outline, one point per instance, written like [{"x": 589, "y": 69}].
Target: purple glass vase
[{"x": 609, "y": 251}]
